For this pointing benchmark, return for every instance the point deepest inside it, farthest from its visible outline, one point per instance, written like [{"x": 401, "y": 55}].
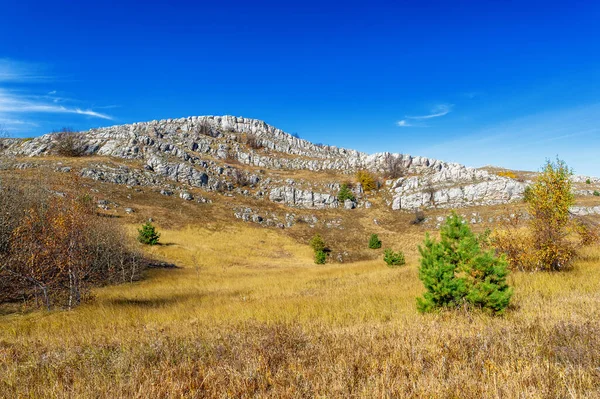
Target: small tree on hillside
[
  {"x": 548, "y": 202},
  {"x": 374, "y": 242},
  {"x": 148, "y": 234},
  {"x": 318, "y": 245},
  {"x": 393, "y": 259},
  {"x": 345, "y": 193},
  {"x": 456, "y": 271}
]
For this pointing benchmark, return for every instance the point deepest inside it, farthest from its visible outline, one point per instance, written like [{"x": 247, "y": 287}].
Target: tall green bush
[
  {"x": 456, "y": 271},
  {"x": 320, "y": 257},
  {"x": 374, "y": 242},
  {"x": 318, "y": 245}
]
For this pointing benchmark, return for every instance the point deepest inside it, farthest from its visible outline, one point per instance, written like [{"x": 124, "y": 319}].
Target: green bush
[
  {"x": 393, "y": 258},
  {"x": 317, "y": 243},
  {"x": 597, "y": 193},
  {"x": 374, "y": 242},
  {"x": 345, "y": 193},
  {"x": 148, "y": 234},
  {"x": 320, "y": 257},
  {"x": 456, "y": 271},
  {"x": 588, "y": 181}
]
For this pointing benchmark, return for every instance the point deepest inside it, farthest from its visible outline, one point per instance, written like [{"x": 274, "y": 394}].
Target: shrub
[
  {"x": 456, "y": 271},
  {"x": 548, "y": 205},
  {"x": 53, "y": 249},
  {"x": 419, "y": 217},
  {"x": 320, "y": 257},
  {"x": 374, "y": 242},
  {"x": 393, "y": 167},
  {"x": 366, "y": 180},
  {"x": 597, "y": 193},
  {"x": 252, "y": 141},
  {"x": 588, "y": 181},
  {"x": 345, "y": 193},
  {"x": 507, "y": 173},
  {"x": 318, "y": 245},
  {"x": 148, "y": 234},
  {"x": 393, "y": 259},
  {"x": 68, "y": 143}
]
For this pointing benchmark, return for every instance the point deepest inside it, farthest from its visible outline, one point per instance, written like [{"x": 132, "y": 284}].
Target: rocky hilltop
[{"x": 229, "y": 154}]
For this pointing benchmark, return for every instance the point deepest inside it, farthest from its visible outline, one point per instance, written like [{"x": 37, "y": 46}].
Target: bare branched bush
[
  {"x": 240, "y": 178},
  {"x": 419, "y": 217},
  {"x": 53, "y": 249},
  {"x": 393, "y": 167},
  {"x": 206, "y": 129},
  {"x": 68, "y": 143},
  {"x": 252, "y": 141}
]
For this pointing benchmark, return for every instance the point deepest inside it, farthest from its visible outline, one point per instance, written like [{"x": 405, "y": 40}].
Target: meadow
[{"x": 248, "y": 314}]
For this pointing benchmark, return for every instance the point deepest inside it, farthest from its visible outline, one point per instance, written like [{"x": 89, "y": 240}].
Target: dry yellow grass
[{"x": 258, "y": 318}]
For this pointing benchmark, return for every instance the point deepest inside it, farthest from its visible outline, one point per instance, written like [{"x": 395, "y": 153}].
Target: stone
[{"x": 186, "y": 196}]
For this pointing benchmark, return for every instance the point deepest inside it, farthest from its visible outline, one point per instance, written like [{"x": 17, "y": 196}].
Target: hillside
[{"x": 245, "y": 312}]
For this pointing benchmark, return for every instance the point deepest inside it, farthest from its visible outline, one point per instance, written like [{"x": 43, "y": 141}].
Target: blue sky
[{"x": 482, "y": 82}]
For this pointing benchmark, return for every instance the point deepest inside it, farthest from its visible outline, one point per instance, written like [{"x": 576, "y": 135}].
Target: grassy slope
[
  {"x": 249, "y": 314},
  {"x": 258, "y": 318}
]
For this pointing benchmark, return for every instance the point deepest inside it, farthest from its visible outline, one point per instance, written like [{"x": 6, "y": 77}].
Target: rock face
[
  {"x": 302, "y": 198},
  {"x": 191, "y": 151},
  {"x": 453, "y": 186}
]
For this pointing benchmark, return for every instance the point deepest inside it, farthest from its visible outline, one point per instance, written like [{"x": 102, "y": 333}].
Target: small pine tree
[
  {"x": 393, "y": 258},
  {"x": 320, "y": 257},
  {"x": 317, "y": 243},
  {"x": 374, "y": 242},
  {"x": 456, "y": 271},
  {"x": 148, "y": 234},
  {"x": 345, "y": 193}
]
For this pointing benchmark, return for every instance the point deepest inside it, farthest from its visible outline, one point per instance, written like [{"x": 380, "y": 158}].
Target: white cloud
[
  {"x": 11, "y": 103},
  {"x": 403, "y": 123},
  {"x": 436, "y": 112},
  {"x": 22, "y": 104}
]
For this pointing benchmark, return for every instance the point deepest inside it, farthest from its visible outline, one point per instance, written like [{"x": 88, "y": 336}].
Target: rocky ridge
[{"x": 235, "y": 154}]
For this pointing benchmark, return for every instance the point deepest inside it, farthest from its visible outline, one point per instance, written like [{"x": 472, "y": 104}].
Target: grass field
[{"x": 248, "y": 314}]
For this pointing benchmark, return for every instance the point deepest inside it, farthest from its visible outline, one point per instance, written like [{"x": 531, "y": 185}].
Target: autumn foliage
[
  {"x": 367, "y": 180},
  {"x": 507, "y": 173},
  {"x": 552, "y": 235},
  {"x": 54, "y": 248}
]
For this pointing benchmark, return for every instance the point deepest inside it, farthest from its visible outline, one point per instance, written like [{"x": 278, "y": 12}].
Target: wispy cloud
[
  {"x": 436, "y": 112},
  {"x": 13, "y": 71},
  {"x": 22, "y": 103},
  {"x": 525, "y": 142},
  {"x": 11, "y": 103}
]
